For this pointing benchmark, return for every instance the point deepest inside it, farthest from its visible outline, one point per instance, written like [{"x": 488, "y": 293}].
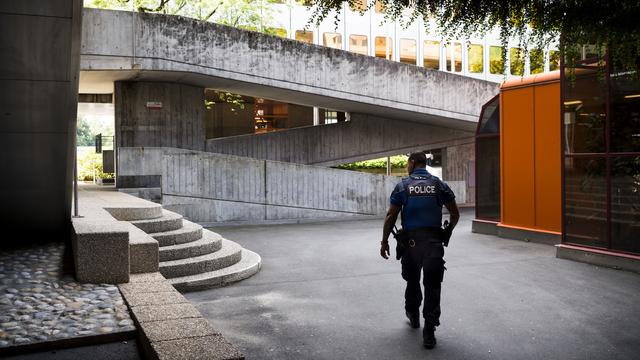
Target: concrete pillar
[
  {"x": 316, "y": 116},
  {"x": 157, "y": 114},
  {"x": 458, "y": 169},
  {"x": 39, "y": 71}
]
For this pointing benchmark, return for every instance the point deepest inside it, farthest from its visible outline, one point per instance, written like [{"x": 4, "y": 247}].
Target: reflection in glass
[
  {"x": 384, "y": 47},
  {"x": 496, "y": 65},
  {"x": 332, "y": 40},
  {"x": 408, "y": 51},
  {"x": 516, "y": 61},
  {"x": 584, "y": 112},
  {"x": 490, "y": 122},
  {"x": 585, "y": 200},
  {"x": 359, "y": 44},
  {"x": 625, "y": 111},
  {"x": 536, "y": 61},
  {"x": 431, "y": 58},
  {"x": 475, "y": 58},
  {"x": 454, "y": 56},
  {"x": 625, "y": 204}
]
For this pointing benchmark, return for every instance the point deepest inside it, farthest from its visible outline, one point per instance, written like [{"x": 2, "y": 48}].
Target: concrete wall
[
  {"x": 209, "y": 187},
  {"x": 459, "y": 166},
  {"x": 179, "y": 123},
  {"x": 124, "y": 45},
  {"x": 364, "y": 137},
  {"x": 39, "y": 69}
]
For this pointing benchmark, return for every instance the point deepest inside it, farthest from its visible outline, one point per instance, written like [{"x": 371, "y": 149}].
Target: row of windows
[{"x": 431, "y": 53}]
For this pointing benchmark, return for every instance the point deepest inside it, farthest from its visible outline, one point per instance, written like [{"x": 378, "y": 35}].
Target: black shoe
[
  {"x": 414, "y": 319},
  {"x": 429, "y": 337}
]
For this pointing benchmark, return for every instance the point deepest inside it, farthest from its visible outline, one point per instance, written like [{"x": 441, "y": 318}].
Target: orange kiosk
[{"x": 529, "y": 162}]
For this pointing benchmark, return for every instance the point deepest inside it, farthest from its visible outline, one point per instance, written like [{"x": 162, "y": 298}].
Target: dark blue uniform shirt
[{"x": 421, "y": 196}]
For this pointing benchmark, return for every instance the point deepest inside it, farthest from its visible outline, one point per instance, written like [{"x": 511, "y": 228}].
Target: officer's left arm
[{"x": 389, "y": 222}]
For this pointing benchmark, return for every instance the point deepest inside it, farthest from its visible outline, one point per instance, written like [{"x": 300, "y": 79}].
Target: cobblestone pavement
[{"x": 40, "y": 302}]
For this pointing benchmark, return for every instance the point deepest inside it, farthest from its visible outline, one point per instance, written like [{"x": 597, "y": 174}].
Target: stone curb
[
  {"x": 170, "y": 327},
  {"x": 68, "y": 343}
]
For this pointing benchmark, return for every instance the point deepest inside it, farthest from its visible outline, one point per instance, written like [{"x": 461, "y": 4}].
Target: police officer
[{"x": 420, "y": 197}]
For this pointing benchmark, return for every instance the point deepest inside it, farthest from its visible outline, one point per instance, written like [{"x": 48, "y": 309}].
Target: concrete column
[
  {"x": 316, "y": 116},
  {"x": 39, "y": 71},
  {"x": 157, "y": 114}
]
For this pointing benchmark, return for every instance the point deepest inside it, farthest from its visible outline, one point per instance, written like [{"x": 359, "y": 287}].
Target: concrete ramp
[{"x": 364, "y": 137}]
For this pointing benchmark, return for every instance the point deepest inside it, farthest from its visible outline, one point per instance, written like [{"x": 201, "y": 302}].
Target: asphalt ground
[{"x": 325, "y": 293}]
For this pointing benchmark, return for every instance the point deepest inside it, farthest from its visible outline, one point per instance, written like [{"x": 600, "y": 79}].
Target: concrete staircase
[{"x": 193, "y": 258}]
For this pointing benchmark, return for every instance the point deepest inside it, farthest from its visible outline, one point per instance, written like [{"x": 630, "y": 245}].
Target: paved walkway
[{"x": 324, "y": 293}]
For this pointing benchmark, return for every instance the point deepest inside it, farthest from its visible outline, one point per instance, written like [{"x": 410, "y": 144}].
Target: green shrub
[
  {"x": 90, "y": 163},
  {"x": 397, "y": 162}
]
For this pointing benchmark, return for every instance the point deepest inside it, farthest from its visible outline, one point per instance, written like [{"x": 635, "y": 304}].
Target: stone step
[
  {"x": 168, "y": 222},
  {"x": 249, "y": 265},
  {"x": 229, "y": 254},
  {"x": 189, "y": 232},
  {"x": 137, "y": 211},
  {"x": 209, "y": 243}
]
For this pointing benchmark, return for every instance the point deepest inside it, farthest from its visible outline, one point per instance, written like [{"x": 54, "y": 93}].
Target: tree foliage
[
  {"x": 251, "y": 15},
  {"x": 606, "y": 24},
  {"x": 84, "y": 135}
]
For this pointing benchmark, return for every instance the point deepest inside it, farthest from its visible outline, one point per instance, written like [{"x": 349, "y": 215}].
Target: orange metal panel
[
  {"x": 547, "y": 157},
  {"x": 517, "y": 156}
]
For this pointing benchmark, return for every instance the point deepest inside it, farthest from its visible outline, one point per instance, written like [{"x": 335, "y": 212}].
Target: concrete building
[{"x": 160, "y": 67}]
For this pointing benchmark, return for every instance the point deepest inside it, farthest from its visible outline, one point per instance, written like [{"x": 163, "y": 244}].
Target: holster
[{"x": 402, "y": 242}]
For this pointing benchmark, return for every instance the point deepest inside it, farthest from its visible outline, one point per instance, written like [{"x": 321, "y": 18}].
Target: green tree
[
  {"x": 607, "y": 24},
  {"x": 83, "y": 133},
  {"x": 247, "y": 14}
]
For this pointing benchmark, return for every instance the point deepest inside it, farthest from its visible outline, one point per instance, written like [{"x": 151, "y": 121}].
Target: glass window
[
  {"x": 585, "y": 201},
  {"x": 475, "y": 58},
  {"x": 408, "y": 51},
  {"x": 380, "y": 9},
  {"x": 625, "y": 111},
  {"x": 488, "y": 179},
  {"x": 454, "y": 56},
  {"x": 358, "y": 5},
  {"x": 304, "y": 36},
  {"x": 516, "y": 61},
  {"x": 496, "y": 65},
  {"x": 384, "y": 47},
  {"x": 554, "y": 60},
  {"x": 488, "y": 162},
  {"x": 332, "y": 40},
  {"x": 490, "y": 122},
  {"x": 536, "y": 61},
  {"x": 431, "y": 55},
  {"x": 330, "y": 117},
  {"x": 359, "y": 44},
  {"x": 625, "y": 204},
  {"x": 584, "y": 112}
]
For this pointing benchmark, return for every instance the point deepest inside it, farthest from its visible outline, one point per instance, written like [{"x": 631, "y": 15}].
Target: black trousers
[{"x": 426, "y": 257}]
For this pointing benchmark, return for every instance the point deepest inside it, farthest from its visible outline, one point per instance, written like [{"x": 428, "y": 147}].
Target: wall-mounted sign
[{"x": 154, "y": 105}]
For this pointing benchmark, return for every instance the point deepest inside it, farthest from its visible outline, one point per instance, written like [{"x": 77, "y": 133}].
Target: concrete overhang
[{"x": 120, "y": 45}]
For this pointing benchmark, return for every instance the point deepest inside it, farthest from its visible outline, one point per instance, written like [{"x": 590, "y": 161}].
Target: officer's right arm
[{"x": 389, "y": 221}]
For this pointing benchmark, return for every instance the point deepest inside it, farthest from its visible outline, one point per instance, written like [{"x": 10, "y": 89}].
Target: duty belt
[{"x": 430, "y": 234}]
